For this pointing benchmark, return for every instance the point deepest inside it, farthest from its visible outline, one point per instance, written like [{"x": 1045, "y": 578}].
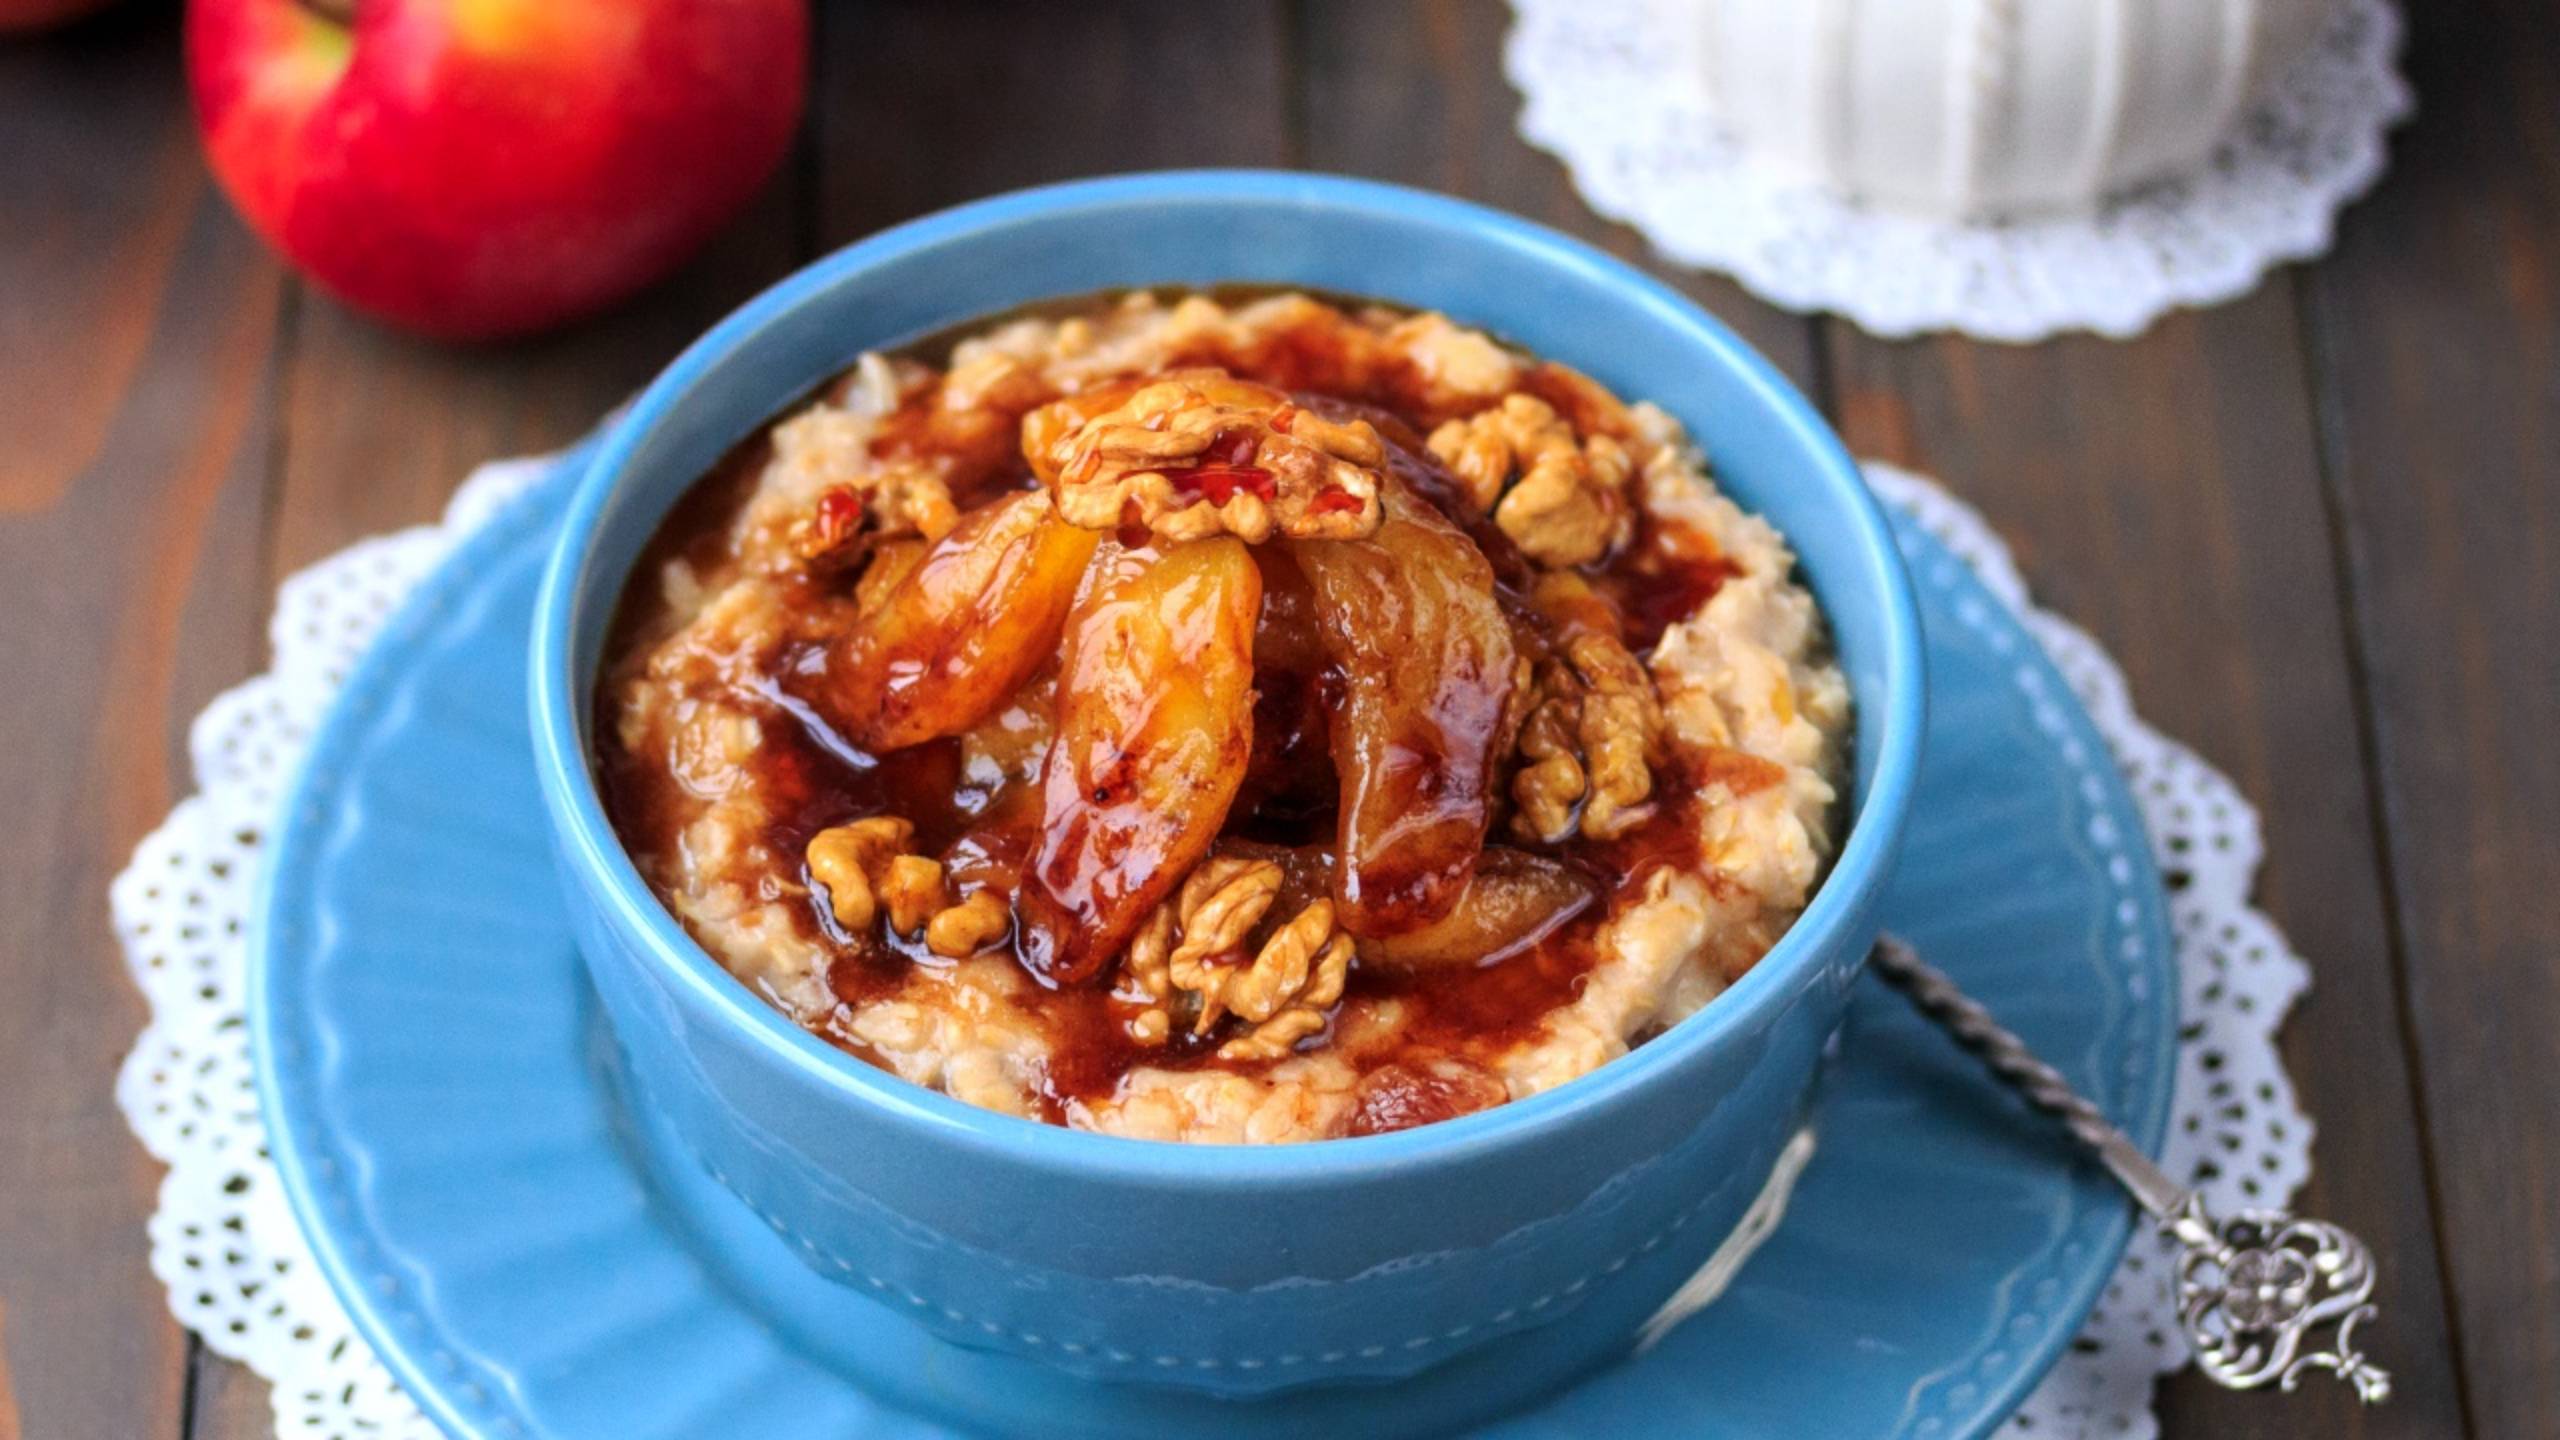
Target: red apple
[{"x": 476, "y": 168}]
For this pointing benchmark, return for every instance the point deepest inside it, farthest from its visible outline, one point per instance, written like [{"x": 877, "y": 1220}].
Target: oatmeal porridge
[{"x": 1224, "y": 719}]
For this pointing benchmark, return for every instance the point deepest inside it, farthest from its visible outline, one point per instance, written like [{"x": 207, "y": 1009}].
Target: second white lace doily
[
  {"x": 1611, "y": 90},
  {"x": 240, "y": 1274}
]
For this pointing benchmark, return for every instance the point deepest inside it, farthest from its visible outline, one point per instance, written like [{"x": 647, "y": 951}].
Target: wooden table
[{"x": 2320, "y": 526}]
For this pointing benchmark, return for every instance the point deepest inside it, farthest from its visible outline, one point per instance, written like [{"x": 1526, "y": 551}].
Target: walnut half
[
  {"x": 1199, "y": 453},
  {"x": 1190, "y": 954},
  {"x": 1563, "y": 502},
  {"x": 1595, "y": 727}
]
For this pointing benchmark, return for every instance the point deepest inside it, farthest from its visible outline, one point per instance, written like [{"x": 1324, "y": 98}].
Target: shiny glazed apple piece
[
  {"x": 1427, "y": 658},
  {"x": 1154, "y": 729},
  {"x": 1514, "y": 900},
  {"x": 959, "y": 632}
]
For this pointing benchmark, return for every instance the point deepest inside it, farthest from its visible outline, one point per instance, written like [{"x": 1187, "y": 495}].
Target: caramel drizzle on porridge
[{"x": 1308, "y": 669}]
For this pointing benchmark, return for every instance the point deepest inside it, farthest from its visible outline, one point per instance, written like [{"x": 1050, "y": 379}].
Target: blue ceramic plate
[{"x": 446, "y": 1108}]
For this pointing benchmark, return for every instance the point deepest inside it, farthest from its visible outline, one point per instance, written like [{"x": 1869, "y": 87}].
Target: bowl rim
[{"x": 589, "y": 846}]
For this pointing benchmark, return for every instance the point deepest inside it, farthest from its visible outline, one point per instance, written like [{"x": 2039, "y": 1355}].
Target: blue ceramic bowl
[{"x": 1237, "y": 1269}]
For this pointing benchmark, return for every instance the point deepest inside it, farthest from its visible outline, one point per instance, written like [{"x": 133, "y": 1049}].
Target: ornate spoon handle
[{"x": 2251, "y": 1289}]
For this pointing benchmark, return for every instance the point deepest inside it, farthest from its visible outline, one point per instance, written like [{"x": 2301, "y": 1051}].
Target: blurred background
[{"x": 2320, "y": 526}]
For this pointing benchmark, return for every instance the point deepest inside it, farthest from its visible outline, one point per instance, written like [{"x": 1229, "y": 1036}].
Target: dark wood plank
[
  {"x": 380, "y": 427},
  {"x": 137, "y": 346},
  {"x": 1415, "y": 93},
  {"x": 2439, "y": 325},
  {"x": 928, "y": 103},
  {"x": 226, "y": 1401},
  {"x": 11, "y": 1426},
  {"x": 2165, "y": 495}
]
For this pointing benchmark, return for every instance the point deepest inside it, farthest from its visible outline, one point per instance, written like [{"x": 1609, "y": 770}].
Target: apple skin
[{"x": 483, "y": 168}]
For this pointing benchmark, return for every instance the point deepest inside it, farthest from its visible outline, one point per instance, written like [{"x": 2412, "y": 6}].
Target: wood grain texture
[
  {"x": 1415, "y": 93},
  {"x": 225, "y": 1401},
  {"x": 2165, "y": 495},
  {"x": 79, "y": 233},
  {"x": 138, "y": 366},
  {"x": 2438, "y": 321},
  {"x": 925, "y": 104},
  {"x": 11, "y": 1428},
  {"x": 380, "y": 427}
]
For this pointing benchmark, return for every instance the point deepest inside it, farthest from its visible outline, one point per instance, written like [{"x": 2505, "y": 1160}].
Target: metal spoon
[{"x": 2251, "y": 1289}]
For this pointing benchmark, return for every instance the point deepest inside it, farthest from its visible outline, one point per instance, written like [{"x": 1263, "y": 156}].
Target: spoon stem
[{"x": 2251, "y": 1289}]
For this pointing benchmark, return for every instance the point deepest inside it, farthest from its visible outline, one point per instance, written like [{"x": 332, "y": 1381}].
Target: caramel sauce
[
  {"x": 1580, "y": 400},
  {"x": 1447, "y": 787},
  {"x": 1666, "y": 574},
  {"x": 1090, "y": 1049}
]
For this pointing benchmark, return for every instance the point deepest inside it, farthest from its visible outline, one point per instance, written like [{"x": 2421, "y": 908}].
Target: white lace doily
[
  {"x": 240, "y": 1274},
  {"x": 1627, "y": 113}
]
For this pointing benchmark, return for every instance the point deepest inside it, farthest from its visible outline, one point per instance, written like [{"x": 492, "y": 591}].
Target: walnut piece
[
  {"x": 1197, "y": 453},
  {"x": 1548, "y": 788},
  {"x": 1595, "y": 728},
  {"x": 1621, "y": 731},
  {"x": 1562, "y": 502},
  {"x": 914, "y": 892},
  {"x": 1296, "y": 977},
  {"x": 1190, "y": 953},
  {"x": 849, "y": 861},
  {"x": 971, "y": 926},
  {"x": 867, "y": 867}
]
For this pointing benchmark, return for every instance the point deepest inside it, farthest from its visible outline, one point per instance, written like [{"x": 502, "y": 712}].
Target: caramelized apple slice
[
  {"x": 1154, "y": 729},
  {"x": 1289, "y": 786},
  {"x": 1514, "y": 900},
  {"x": 1427, "y": 664},
  {"x": 957, "y": 633}
]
